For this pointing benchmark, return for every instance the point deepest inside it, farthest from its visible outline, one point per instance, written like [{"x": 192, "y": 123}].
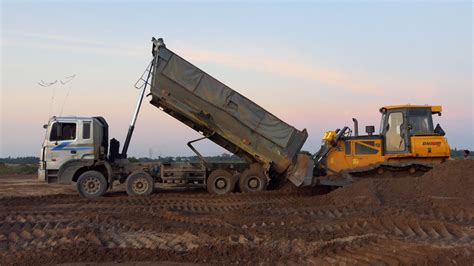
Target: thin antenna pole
[
  {"x": 49, "y": 84},
  {"x": 68, "y": 90},
  {"x": 52, "y": 102}
]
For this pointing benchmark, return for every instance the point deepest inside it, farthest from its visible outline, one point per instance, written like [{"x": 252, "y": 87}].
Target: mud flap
[
  {"x": 42, "y": 175},
  {"x": 302, "y": 172}
]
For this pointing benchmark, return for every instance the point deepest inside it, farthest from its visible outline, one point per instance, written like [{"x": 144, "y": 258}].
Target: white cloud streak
[{"x": 282, "y": 67}]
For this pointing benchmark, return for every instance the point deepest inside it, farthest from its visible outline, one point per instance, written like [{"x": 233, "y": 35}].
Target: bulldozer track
[
  {"x": 382, "y": 251},
  {"x": 193, "y": 203},
  {"x": 452, "y": 214},
  {"x": 414, "y": 230},
  {"x": 385, "y": 170},
  {"x": 36, "y": 229}
]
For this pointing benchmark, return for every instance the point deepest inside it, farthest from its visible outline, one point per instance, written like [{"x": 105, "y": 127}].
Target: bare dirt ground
[
  {"x": 411, "y": 220},
  {"x": 28, "y": 185}
]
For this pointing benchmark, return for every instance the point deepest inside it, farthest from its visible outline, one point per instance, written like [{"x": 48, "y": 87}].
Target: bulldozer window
[
  {"x": 420, "y": 121},
  {"x": 347, "y": 147},
  {"x": 63, "y": 131},
  {"x": 361, "y": 149},
  {"x": 382, "y": 124},
  {"x": 394, "y": 140}
]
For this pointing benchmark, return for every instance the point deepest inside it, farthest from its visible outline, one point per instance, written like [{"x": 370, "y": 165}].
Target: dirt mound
[{"x": 452, "y": 180}]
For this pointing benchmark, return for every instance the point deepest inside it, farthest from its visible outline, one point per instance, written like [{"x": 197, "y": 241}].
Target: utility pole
[{"x": 150, "y": 153}]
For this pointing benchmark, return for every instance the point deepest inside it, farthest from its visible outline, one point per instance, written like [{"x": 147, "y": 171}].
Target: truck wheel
[
  {"x": 253, "y": 180},
  {"x": 220, "y": 182},
  {"x": 139, "y": 184},
  {"x": 91, "y": 184}
]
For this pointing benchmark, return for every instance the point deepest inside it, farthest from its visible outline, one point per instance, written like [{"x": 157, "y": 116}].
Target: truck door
[
  {"x": 60, "y": 143},
  {"x": 84, "y": 147},
  {"x": 395, "y": 133}
]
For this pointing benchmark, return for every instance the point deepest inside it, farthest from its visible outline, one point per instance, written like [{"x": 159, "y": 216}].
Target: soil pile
[{"x": 451, "y": 180}]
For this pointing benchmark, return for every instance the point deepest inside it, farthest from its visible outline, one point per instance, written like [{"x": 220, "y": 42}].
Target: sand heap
[{"x": 452, "y": 180}]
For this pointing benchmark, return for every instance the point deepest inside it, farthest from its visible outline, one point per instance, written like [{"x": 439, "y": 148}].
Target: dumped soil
[
  {"x": 408, "y": 220},
  {"x": 453, "y": 180}
]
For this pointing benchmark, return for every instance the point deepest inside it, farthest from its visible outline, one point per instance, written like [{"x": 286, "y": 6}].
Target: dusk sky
[{"x": 315, "y": 65}]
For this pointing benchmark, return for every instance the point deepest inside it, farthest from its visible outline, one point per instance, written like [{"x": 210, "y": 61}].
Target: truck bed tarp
[
  {"x": 171, "y": 71},
  {"x": 215, "y": 92}
]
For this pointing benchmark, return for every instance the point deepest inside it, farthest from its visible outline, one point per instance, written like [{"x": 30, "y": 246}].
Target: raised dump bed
[{"x": 223, "y": 115}]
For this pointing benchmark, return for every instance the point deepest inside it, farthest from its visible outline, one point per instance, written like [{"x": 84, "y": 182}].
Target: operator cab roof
[{"x": 435, "y": 109}]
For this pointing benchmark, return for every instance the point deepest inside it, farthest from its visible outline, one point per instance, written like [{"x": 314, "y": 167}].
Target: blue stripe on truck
[{"x": 63, "y": 147}]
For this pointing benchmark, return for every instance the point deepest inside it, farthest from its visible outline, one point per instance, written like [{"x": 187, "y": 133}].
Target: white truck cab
[
  {"x": 72, "y": 141},
  {"x": 76, "y": 150}
]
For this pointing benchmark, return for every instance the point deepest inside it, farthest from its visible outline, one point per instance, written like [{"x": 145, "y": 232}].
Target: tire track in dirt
[
  {"x": 29, "y": 233},
  {"x": 383, "y": 251},
  {"x": 24, "y": 226},
  {"x": 418, "y": 222}
]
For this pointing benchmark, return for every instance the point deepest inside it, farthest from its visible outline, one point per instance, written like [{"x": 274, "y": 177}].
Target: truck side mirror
[
  {"x": 369, "y": 130},
  {"x": 45, "y": 126}
]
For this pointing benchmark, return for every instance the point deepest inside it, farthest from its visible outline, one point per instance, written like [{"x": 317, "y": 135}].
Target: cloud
[
  {"x": 285, "y": 68},
  {"x": 59, "y": 38},
  {"x": 68, "y": 44},
  {"x": 351, "y": 82},
  {"x": 399, "y": 89}
]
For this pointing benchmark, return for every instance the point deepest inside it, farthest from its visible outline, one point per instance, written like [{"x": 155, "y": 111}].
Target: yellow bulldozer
[{"x": 407, "y": 142}]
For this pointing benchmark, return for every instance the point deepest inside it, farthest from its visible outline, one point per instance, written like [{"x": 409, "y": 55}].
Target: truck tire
[
  {"x": 139, "y": 184},
  {"x": 91, "y": 184},
  {"x": 253, "y": 180},
  {"x": 220, "y": 182}
]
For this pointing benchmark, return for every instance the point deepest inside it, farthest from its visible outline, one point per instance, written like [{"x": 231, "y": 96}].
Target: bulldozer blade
[{"x": 302, "y": 172}]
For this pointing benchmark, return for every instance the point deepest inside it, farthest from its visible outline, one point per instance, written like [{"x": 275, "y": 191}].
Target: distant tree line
[
  {"x": 20, "y": 160},
  {"x": 225, "y": 157},
  {"x": 219, "y": 158},
  {"x": 460, "y": 153}
]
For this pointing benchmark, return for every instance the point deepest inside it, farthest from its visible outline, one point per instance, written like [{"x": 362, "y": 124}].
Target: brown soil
[
  {"x": 409, "y": 220},
  {"x": 28, "y": 185}
]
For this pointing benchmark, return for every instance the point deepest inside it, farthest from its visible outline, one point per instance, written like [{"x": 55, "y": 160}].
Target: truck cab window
[
  {"x": 86, "y": 130},
  {"x": 63, "y": 131}
]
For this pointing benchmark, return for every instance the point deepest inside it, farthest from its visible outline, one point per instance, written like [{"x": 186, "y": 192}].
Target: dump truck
[{"x": 78, "y": 149}]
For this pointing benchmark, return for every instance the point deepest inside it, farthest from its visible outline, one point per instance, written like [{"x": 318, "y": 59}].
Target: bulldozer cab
[{"x": 400, "y": 123}]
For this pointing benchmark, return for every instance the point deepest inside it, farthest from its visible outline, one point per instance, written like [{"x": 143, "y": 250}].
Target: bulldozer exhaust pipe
[{"x": 356, "y": 127}]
